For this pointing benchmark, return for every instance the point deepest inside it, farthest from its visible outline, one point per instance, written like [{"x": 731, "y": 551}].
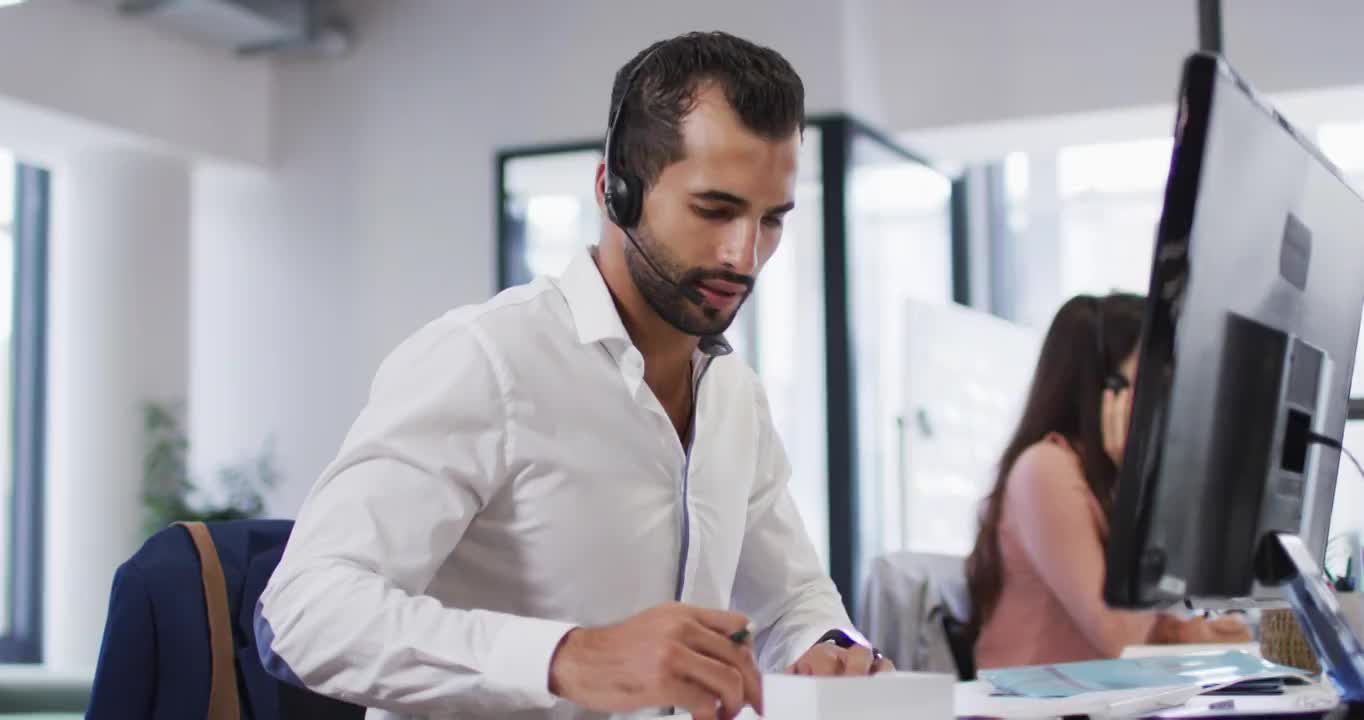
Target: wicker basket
[{"x": 1282, "y": 641}]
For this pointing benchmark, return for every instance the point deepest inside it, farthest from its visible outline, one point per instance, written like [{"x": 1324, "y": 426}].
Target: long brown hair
[{"x": 1087, "y": 341}]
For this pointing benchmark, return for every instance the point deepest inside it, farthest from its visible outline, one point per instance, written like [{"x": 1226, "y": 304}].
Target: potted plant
[{"x": 171, "y": 495}]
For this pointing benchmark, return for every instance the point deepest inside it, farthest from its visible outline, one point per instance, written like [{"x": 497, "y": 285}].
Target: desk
[{"x": 973, "y": 700}]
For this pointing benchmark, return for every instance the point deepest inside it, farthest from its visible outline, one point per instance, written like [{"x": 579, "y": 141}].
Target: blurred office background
[{"x": 231, "y": 210}]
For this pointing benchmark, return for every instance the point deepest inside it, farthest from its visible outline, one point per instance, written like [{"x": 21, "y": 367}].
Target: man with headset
[{"x": 570, "y": 498}]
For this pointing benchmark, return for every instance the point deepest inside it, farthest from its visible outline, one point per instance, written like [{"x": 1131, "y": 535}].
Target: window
[
  {"x": 1083, "y": 221},
  {"x": 23, "y": 231},
  {"x": 1344, "y": 145},
  {"x": 899, "y": 250},
  {"x": 8, "y": 190},
  {"x": 1111, "y": 197},
  {"x": 787, "y": 318},
  {"x": 549, "y": 210}
]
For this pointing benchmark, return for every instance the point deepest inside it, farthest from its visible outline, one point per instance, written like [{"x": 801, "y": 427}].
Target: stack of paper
[
  {"x": 975, "y": 700},
  {"x": 1148, "y": 686},
  {"x": 1141, "y": 651},
  {"x": 1196, "y": 670},
  {"x": 887, "y": 696}
]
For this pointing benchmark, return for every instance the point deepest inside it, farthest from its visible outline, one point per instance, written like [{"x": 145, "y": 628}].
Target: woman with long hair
[{"x": 1036, "y": 574}]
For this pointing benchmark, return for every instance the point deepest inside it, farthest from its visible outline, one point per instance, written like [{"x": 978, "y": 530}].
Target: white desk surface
[
  {"x": 1140, "y": 651},
  {"x": 973, "y": 700}
]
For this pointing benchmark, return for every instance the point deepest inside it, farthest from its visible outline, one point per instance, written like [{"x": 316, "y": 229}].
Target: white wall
[
  {"x": 275, "y": 320},
  {"x": 977, "y": 61},
  {"x": 280, "y": 303},
  {"x": 119, "y": 318},
  {"x": 88, "y": 68}
]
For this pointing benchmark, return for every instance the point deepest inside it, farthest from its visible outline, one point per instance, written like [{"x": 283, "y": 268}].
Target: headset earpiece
[
  {"x": 623, "y": 200},
  {"x": 1112, "y": 379},
  {"x": 623, "y": 192}
]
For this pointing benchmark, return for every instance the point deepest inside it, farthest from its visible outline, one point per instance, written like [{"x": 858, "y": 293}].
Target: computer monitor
[{"x": 1248, "y": 346}]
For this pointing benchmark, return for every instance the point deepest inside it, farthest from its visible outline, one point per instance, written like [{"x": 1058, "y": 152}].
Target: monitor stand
[{"x": 1283, "y": 559}]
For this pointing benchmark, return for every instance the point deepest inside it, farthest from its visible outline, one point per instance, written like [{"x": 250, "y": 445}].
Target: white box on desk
[{"x": 887, "y": 696}]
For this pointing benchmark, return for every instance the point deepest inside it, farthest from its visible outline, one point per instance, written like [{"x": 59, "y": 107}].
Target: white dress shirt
[{"x": 512, "y": 477}]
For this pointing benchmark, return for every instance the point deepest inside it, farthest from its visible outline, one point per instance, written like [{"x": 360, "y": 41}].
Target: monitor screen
[{"x": 1248, "y": 345}]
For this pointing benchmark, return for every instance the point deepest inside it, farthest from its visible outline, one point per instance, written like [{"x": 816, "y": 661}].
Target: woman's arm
[{"x": 1057, "y": 521}]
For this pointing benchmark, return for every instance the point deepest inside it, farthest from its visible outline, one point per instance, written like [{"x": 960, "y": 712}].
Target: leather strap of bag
[{"x": 223, "y": 703}]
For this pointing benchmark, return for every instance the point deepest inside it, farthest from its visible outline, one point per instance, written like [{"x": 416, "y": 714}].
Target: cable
[
  {"x": 1337, "y": 445},
  {"x": 1346, "y": 582}
]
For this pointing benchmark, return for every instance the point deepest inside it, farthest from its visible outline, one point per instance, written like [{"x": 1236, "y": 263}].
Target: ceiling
[{"x": 247, "y": 27}]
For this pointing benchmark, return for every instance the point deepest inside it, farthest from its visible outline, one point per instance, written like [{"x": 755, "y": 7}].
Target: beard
[{"x": 665, "y": 296}]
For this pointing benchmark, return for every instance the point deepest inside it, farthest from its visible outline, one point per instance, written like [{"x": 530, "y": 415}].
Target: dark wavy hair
[
  {"x": 1066, "y": 397},
  {"x": 760, "y": 85}
]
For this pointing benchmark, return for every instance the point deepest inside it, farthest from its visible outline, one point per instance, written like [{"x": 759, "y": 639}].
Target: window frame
[
  {"x": 511, "y": 249},
  {"x": 28, "y": 367}
]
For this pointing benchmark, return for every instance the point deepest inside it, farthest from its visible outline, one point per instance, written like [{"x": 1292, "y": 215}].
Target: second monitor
[{"x": 1249, "y": 343}]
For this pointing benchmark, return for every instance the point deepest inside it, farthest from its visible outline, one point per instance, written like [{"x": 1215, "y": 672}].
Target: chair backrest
[
  {"x": 914, "y": 608},
  {"x": 962, "y": 643},
  {"x": 164, "y": 657}
]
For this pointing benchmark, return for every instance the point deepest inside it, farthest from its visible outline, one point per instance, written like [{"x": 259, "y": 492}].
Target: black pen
[{"x": 741, "y": 636}]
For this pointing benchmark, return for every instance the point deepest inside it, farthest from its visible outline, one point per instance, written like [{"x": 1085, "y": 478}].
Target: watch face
[
  {"x": 856, "y": 637},
  {"x": 844, "y": 638}
]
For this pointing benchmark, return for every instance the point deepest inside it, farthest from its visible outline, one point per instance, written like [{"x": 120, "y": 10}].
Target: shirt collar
[
  {"x": 589, "y": 300},
  {"x": 594, "y": 311}
]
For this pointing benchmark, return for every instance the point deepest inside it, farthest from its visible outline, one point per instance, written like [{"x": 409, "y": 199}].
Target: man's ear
[{"x": 599, "y": 189}]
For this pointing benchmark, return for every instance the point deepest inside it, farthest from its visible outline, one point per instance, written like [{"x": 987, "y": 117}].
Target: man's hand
[
  {"x": 670, "y": 655},
  {"x": 827, "y": 658}
]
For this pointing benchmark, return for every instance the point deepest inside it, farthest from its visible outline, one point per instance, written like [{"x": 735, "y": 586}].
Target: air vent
[{"x": 252, "y": 27}]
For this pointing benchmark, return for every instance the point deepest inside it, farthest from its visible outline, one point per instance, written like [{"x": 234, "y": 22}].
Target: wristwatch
[{"x": 845, "y": 640}]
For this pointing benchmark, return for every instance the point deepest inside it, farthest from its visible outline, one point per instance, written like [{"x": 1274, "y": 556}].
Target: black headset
[
  {"x": 1112, "y": 379},
  {"x": 624, "y": 192}
]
